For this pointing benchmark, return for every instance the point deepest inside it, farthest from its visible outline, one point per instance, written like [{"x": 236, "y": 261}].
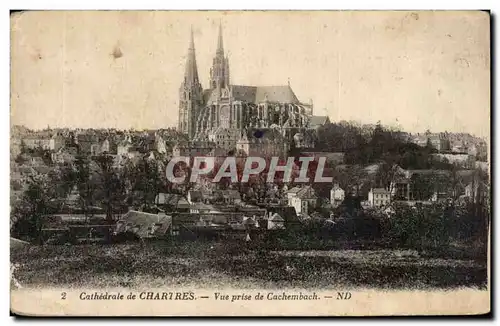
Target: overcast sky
[{"x": 420, "y": 70}]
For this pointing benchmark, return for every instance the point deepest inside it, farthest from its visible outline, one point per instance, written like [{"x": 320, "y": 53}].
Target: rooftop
[{"x": 258, "y": 94}]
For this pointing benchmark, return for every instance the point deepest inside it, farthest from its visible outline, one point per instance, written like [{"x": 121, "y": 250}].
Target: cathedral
[{"x": 227, "y": 115}]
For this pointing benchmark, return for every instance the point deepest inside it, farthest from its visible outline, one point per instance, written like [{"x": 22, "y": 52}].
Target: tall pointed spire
[
  {"x": 191, "y": 73},
  {"x": 220, "y": 43},
  {"x": 191, "y": 40},
  {"x": 219, "y": 74},
  {"x": 190, "y": 93}
]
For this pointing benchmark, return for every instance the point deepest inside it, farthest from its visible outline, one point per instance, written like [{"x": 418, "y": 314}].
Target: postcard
[{"x": 250, "y": 163}]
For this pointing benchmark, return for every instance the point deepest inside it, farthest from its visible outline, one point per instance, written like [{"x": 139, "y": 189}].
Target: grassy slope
[{"x": 217, "y": 265}]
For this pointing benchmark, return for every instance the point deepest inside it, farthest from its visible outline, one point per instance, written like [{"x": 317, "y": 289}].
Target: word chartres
[
  {"x": 141, "y": 296},
  {"x": 241, "y": 169}
]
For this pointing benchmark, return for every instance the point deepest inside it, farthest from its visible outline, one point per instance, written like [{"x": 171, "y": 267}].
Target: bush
[
  {"x": 433, "y": 226},
  {"x": 125, "y": 237}
]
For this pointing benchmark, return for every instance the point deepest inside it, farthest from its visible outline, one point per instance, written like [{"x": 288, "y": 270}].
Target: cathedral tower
[
  {"x": 219, "y": 73},
  {"x": 190, "y": 94}
]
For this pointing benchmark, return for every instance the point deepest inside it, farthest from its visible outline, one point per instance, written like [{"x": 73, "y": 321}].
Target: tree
[
  {"x": 63, "y": 177},
  {"x": 111, "y": 186},
  {"x": 352, "y": 177},
  {"x": 421, "y": 226},
  {"x": 387, "y": 176},
  {"x": 37, "y": 202},
  {"x": 86, "y": 188},
  {"x": 422, "y": 186},
  {"x": 23, "y": 147}
]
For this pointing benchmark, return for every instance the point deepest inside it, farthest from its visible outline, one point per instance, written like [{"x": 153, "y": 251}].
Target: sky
[{"x": 110, "y": 69}]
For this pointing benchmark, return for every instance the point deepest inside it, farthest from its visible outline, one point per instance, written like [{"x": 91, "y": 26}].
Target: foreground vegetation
[{"x": 212, "y": 264}]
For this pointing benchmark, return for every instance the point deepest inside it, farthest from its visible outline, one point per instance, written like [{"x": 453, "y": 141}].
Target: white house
[
  {"x": 337, "y": 195},
  {"x": 378, "y": 197},
  {"x": 302, "y": 199},
  {"x": 124, "y": 146},
  {"x": 161, "y": 146},
  {"x": 275, "y": 222},
  {"x": 56, "y": 142}
]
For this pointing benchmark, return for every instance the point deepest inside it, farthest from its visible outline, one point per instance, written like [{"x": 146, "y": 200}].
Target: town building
[
  {"x": 465, "y": 161},
  {"x": 303, "y": 199},
  {"x": 144, "y": 225},
  {"x": 275, "y": 222},
  {"x": 378, "y": 197},
  {"x": 56, "y": 142},
  {"x": 337, "y": 195},
  {"x": 270, "y": 144},
  {"x": 194, "y": 148},
  {"x": 439, "y": 141},
  {"x": 35, "y": 141}
]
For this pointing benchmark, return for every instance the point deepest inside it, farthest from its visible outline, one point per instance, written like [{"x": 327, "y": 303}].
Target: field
[{"x": 235, "y": 264}]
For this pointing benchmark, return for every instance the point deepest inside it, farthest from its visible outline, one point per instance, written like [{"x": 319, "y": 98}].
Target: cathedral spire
[
  {"x": 219, "y": 74},
  {"x": 191, "y": 40},
  {"x": 191, "y": 73},
  {"x": 190, "y": 93},
  {"x": 220, "y": 43}
]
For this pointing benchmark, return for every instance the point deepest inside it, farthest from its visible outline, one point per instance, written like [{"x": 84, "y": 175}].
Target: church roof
[
  {"x": 259, "y": 94},
  {"x": 256, "y": 94}
]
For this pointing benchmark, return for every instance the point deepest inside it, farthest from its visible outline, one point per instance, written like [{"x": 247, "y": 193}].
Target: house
[
  {"x": 230, "y": 196},
  {"x": 106, "y": 146},
  {"x": 250, "y": 222},
  {"x": 440, "y": 142},
  {"x": 85, "y": 142},
  {"x": 56, "y": 142},
  {"x": 476, "y": 190},
  {"x": 167, "y": 201},
  {"x": 275, "y": 222},
  {"x": 183, "y": 205},
  {"x": 144, "y": 225},
  {"x": 439, "y": 196},
  {"x": 193, "y": 148},
  {"x": 64, "y": 155},
  {"x": 36, "y": 141},
  {"x": 292, "y": 193},
  {"x": 252, "y": 210},
  {"x": 302, "y": 199},
  {"x": 124, "y": 146},
  {"x": 160, "y": 144},
  {"x": 200, "y": 208},
  {"x": 337, "y": 195},
  {"x": 378, "y": 197},
  {"x": 194, "y": 196}
]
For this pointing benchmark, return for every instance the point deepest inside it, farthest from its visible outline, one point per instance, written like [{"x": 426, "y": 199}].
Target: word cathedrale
[
  {"x": 141, "y": 296},
  {"x": 204, "y": 165}
]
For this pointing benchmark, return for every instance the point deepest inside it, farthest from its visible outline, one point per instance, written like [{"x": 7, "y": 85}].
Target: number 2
[{"x": 63, "y": 295}]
